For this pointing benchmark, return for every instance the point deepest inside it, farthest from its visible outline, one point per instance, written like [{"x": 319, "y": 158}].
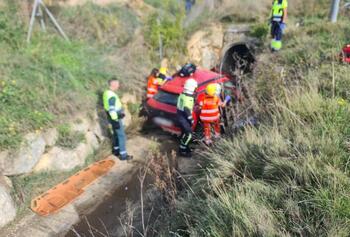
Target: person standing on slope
[
  {"x": 115, "y": 114},
  {"x": 210, "y": 112},
  {"x": 188, "y": 5},
  {"x": 278, "y": 23},
  {"x": 153, "y": 83},
  {"x": 185, "y": 106}
]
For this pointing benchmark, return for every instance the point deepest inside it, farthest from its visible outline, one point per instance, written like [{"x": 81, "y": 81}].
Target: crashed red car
[
  {"x": 162, "y": 107},
  {"x": 345, "y": 55}
]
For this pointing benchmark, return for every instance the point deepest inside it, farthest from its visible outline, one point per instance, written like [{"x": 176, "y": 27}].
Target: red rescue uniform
[
  {"x": 152, "y": 86},
  {"x": 210, "y": 114}
]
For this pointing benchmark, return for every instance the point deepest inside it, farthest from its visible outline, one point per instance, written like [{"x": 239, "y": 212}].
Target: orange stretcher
[{"x": 64, "y": 193}]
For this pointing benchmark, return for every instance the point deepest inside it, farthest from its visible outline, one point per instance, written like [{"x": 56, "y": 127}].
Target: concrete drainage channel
[
  {"x": 105, "y": 199},
  {"x": 106, "y": 219}
]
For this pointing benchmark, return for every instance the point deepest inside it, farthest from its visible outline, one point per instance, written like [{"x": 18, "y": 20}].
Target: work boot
[
  {"x": 127, "y": 157},
  {"x": 186, "y": 154},
  {"x": 208, "y": 142}
]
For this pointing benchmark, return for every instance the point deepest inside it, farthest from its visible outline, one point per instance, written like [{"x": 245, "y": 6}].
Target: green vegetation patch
[
  {"x": 50, "y": 79},
  {"x": 68, "y": 138},
  {"x": 290, "y": 176}
]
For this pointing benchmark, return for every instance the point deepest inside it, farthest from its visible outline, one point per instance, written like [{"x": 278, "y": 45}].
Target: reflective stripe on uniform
[
  {"x": 183, "y": 147},
  {"x": 188, "y": 139},
  {"x": 210, "y": 119},
  {"x": 204, "y": 111},
  {"x": 152, "y": 90},
  {"x": 123, "y": 153}
]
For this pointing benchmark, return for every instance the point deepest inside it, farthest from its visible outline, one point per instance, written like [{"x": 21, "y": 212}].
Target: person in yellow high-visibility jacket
[
  {"x": 115, "y": 114},
  {"x": 279, "y": 16}
]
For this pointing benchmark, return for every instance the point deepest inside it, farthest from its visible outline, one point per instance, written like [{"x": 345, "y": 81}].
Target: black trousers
[{"x": 186, "y": 136}]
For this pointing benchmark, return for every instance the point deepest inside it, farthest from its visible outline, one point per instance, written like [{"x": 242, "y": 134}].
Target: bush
[
  {"x": 67, "y": 138},
  {"x": 170, "y": 27},
  {"x": 260, "y": 31}
]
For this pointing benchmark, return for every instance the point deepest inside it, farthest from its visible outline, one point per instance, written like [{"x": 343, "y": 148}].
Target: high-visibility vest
[
  {"x": 278, "y": 7},
  {"x": 185, "y": 101},
  {"x": 153, "y": 85},
  {"x": 210, "y": 109},
  {"x": 112, "y": 104}
]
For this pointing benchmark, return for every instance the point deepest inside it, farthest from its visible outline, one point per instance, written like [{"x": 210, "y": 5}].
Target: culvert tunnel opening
[{"x": 238, "y": 58}]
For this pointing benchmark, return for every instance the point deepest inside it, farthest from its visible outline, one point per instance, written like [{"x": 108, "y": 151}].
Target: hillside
[
  {"x": 290, "y": 175},
  {"x": 287, "y": 176}
]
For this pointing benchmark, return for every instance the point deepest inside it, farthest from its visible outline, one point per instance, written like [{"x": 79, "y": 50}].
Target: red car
[
  {"x": 162, "y": 107},
  {"x": 345, "y": 55}
]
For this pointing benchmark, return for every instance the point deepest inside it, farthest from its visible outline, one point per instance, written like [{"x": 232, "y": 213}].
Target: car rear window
[{"x": 166, "y": 98}]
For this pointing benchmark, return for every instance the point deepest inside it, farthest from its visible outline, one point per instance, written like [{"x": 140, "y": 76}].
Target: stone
[
  {"x": 23, "y": 161},
  {"x": 127, "y": 120},
  {"x": 83, "y": 125},
  {"x": 83, "y": 151},
  {"x": 98, "y": 131},
  {"x": 128, "y": 98},
  {"x": 92, "y": 140},
  {"x": 6, "y": 182},
  {"x": 7, "y": 206},
  {"x": 59, "y": 159},
  {"x": 204, "y": 46},
  {"x": 50, "y": 136},
  {"x": 209, "y": 58}
]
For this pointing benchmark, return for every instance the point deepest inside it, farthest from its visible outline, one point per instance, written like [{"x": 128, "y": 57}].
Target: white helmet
[
  {"x": 190, "y": 86},
  {"x": 218, "y": 89}
]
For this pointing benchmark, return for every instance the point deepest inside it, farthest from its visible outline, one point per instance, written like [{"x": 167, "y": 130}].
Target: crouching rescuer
[
  {"x": 185, "y": 106},
  {"x": 210, "y": 113},
  {"x": 115, "y": 114},
  {"x": 278, "y": 23}
]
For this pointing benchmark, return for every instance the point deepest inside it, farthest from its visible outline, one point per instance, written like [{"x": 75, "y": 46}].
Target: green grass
[
  {"x": 167, "y": 21},
  {"x": 111, "y": 26},
  {"x": 51, "y": 79},
  {"x": 68, "y": 138},
  {"x": 290, "y": 176}
]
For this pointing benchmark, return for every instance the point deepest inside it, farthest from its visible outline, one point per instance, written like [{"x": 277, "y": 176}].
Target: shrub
[
  {"x": 260, "y": 31},
  {"x": 170, "y": 28},
  {"x": 67, "y": 138}
]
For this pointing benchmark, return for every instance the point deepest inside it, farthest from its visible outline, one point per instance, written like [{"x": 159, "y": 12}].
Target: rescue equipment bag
[{"x": 187, "y": 70}]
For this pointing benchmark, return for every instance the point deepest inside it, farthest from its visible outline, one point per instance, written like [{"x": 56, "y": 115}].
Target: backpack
[{"x": 187, "y": 70}]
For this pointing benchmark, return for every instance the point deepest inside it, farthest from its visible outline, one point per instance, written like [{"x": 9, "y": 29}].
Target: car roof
[{"x": 203, "y": 77}]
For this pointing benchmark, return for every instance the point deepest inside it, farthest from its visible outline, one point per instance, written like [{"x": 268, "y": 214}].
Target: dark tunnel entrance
[{"x": 238, "y": 58}]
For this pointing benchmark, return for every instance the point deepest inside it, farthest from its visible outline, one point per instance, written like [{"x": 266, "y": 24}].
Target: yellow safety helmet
[
  {"x": 211, "y": 89},
  {"x": 163, "y": 70}
]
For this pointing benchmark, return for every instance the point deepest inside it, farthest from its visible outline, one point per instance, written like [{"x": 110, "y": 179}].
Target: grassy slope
[
  {"x": 289, "y": 176},
  {"x": 44, "y": 83}
]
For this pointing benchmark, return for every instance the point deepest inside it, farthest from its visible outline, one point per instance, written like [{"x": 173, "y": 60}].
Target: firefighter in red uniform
[
  {"x": 153, "y": 83},
  {"x": 210, "y": 113}
]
